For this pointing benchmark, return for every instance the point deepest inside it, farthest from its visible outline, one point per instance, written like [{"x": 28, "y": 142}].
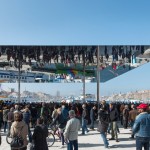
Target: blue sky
[
  {"x": 69, "y": 22},
  {"x": 76, "y": 22},
  {"x": 136, "y": 79}
]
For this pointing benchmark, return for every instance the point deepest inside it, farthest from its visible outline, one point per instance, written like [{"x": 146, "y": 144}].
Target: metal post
[
  {"x": 19, "y": 66},
  {"x": 84, "y": 76},
  {"x": 98, "y": 76}
]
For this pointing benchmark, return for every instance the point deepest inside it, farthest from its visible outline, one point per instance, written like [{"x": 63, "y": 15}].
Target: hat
[{"x": 142, "y": 106}]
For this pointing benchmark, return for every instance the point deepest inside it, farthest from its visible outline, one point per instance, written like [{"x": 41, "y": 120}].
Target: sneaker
[
  {"x": 108, "y": 147},
  {"x": 111, "y": 139},
  {"x": 86, "y": 132},
  {"x": 131, "y": 137},
  {"x": 117, "y": 140}
]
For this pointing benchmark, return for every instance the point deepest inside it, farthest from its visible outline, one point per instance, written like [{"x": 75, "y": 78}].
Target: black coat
[
  {"x": 114, "y": 115},
  {"x": 39, "y": 137},
  {"x": 103, "y": 121}
]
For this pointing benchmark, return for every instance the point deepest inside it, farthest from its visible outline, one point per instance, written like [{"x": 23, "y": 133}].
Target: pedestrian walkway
[{"x": 90, "y": 141}]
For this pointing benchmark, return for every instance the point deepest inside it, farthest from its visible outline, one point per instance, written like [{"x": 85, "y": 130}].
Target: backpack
[
  {"x": 65, "y": 114},
  {"x": 17, "y": 141}
]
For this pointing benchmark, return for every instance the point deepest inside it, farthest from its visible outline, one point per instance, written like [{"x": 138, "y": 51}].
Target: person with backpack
[
  {"x": 19, "y": 129},
  {"x": 65, "y": 112},
  {"x": 61, "y": 124}
]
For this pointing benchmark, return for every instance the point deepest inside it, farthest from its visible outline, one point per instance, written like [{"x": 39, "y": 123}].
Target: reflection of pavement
[{"x": 91, "y": 141}]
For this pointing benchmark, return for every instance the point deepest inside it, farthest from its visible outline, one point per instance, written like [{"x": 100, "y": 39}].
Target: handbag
[{"x": 17, "y": 141}]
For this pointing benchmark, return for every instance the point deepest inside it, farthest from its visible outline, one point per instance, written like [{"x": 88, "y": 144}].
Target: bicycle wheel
[
  {"x": 50, "y": 139},
  {"x": 8, "y": 139}
]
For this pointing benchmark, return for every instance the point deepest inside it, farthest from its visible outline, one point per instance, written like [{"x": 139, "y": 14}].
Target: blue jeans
[
  {"x": 84, "y": 126},
  {"x": 103, "y": 135},
  {"x": 5, "y": 126},
  {"x": 29, "y": 134},
  {"x": 9, "y": 126},
  {"x": 92, "y": 123},
  {"x": 72, "y": 144},
  {"x": 142, "y": 142}
]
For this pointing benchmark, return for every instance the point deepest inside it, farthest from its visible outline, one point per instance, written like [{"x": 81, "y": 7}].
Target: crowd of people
[{"x": 18, "y": 119}]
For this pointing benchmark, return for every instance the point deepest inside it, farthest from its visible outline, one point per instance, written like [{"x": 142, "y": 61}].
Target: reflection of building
[
  {"x": 12, "y": 76},
  {"x": 88, "y": 97},
  {"x": 143, "y": 95}
]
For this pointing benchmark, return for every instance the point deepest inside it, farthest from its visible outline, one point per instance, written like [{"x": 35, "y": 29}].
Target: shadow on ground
[
  {"x": 89, "y": 145},
  {"x": 123, "y": 146}
]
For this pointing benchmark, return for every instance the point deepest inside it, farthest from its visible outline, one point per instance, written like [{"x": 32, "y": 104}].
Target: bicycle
[
  {"x": 50, "y": 139},
  {"x": 8, "y": 138},
  {"x": 55, "y": 131}
]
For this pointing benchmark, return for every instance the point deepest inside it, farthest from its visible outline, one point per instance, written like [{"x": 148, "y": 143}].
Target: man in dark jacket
[
  {"x": 103, "y": 124},
  {"x": 113, "y": 121},
  {"x": 92, "y": 117},
  {"x": 45, "y": 112},
  {"x": 10, "y": 119},
  {"x": 84, "y": 120},
  {"x": 5, "y": 113},
  {"x": 39, "y": 136},
  {"x": 125, "y": 116},
  {"x": 132, "y": 115}
]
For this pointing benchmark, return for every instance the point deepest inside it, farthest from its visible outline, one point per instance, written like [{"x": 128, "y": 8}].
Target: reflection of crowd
[
  {"x": 69, "y": 54},
  {"x": 45, "y": 54},
  {"x": 41, "y": 116}
]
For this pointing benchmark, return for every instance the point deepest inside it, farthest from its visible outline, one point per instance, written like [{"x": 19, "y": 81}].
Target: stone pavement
[{"x": 90, "y": 141}]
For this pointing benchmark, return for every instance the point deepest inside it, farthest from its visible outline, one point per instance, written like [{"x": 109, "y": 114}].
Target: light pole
[
  {"x": 83, "y": 75},
  {"x": 19, "y": 66},
  {"x": 98, "y": 76}
]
